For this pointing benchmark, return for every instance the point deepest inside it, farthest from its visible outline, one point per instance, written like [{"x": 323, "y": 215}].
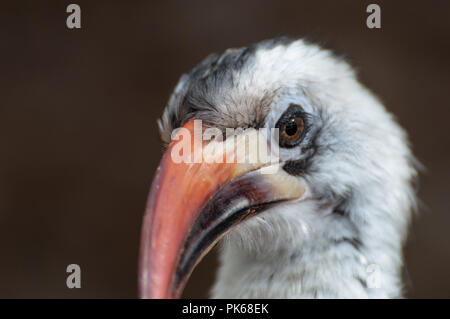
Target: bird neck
[
  {"x": 322, "y": 274},
  {"x": 338, "y": 268}
]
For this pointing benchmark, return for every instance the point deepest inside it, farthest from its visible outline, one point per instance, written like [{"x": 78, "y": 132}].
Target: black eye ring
[{"x": 292, "y": 126}]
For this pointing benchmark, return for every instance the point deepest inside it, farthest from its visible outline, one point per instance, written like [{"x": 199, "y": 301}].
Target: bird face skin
[{"x": 335, "y": 201}]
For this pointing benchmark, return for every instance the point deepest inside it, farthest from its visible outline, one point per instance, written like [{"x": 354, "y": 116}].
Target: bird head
[{"x": 339, "y": 175}]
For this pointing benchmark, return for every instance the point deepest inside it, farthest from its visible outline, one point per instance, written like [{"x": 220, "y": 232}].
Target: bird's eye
[
  {"x": 291, "y": 131},
  {"x": 291, "y": 126}
]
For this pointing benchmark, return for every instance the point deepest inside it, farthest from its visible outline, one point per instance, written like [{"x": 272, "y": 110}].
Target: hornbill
[{"x": 330, "y": 220}]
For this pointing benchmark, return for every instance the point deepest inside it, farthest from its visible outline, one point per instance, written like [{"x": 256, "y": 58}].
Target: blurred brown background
[{"x": 78, "y": 134}]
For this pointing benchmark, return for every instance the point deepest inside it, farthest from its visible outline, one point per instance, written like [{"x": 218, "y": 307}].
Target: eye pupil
[{"x": 291, "y": 128}]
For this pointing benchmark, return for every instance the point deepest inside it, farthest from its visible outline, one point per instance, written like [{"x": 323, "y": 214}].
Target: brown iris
[
  {"x": 291, "y": 131},
  {"x": 292, "y": 125}
]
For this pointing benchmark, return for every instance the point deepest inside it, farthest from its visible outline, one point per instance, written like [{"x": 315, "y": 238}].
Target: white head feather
[{"x": 345, "y": 239}]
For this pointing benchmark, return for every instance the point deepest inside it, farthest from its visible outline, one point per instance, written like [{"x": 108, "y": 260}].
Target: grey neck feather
[{"x": 311, "y": 263}]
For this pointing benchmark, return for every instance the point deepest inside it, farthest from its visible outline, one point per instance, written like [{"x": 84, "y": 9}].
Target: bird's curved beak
[{"x": 193, "y": 205}]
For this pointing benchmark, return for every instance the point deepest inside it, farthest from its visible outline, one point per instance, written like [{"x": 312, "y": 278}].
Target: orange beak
[{"x": 191, "y": 206}]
